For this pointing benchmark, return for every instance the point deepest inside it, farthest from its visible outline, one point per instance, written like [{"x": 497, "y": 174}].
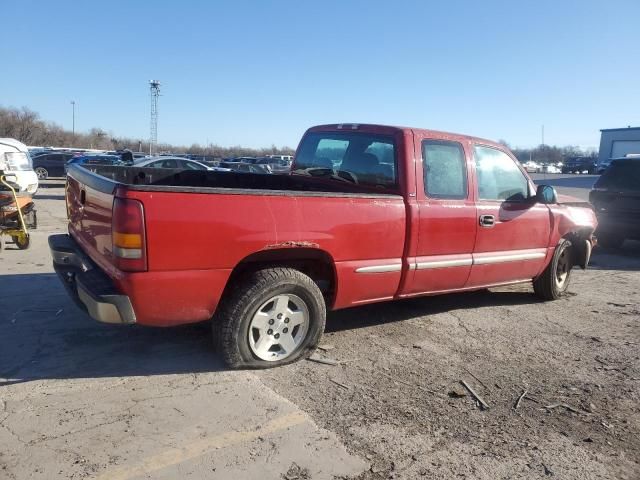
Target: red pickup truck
[{"x": 369, "y": 213}]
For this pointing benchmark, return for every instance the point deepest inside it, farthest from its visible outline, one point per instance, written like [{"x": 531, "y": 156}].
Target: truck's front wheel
[
  {"x": 554, "y": 281},
  {"x": 271, "y": 317}
]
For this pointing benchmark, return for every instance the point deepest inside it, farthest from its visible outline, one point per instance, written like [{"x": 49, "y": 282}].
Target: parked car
[
  {"x": 532, "y": 167},
  {"x": 550, "y": 168},
  {"x": 274, "y": 164},
  {"x": 602, "y": 166},
  {"x": 34, "y": 152},
  {"x": 287, "y": 158},
  {"x": 176, "y": 162},
  {"x": 244, "y": 167},
  {"x": 245, "y": 159},
  {"x": 616, "y": 199},
  {"x": 93, "y": 160},
  {"x": 266, "y": 256},
  {"x": 51, "y": 164},
  {"x": 579, "y": 165},
  {"x": 15, "y": 159}
]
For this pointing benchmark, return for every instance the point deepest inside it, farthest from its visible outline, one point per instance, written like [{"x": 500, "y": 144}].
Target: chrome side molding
[{"x": 396, "y": 267}]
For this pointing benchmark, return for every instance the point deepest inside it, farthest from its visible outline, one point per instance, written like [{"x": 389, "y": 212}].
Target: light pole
[{"x": 73, "y": 117}]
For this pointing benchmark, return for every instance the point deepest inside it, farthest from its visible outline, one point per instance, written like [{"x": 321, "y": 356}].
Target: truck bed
[
  {"x": 164, "y": 179},
  {"x": 199, "y": 226}
]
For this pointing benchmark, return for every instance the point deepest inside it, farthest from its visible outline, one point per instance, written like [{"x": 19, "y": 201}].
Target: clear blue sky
[{"x": 258, "y": 73}]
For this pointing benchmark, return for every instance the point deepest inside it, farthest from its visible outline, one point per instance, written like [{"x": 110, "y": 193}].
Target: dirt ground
[
  {"x": 560, "y": 381},
  {"x": 396, "y": 396}
]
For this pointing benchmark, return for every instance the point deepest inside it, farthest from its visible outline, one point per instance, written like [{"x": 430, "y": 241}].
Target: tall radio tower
[{"x": 154, "y": 86}]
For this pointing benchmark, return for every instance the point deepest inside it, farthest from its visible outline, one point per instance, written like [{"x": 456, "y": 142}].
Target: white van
[{"x": 15, "y": 159}]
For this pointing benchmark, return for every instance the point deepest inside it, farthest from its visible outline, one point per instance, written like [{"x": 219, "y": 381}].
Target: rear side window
[
  {"x": 164, "y": 164},
  {"x": 499, "y": 178},
  {"x": 444, "y": 169},
  {"x": 192, "y": 166},
  {"x": 622, "y": 174},
  {"x": 360, "y": 158}
]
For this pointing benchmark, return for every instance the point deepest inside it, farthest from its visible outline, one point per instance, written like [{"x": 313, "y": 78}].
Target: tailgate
[{"x": 89, "y": 209}]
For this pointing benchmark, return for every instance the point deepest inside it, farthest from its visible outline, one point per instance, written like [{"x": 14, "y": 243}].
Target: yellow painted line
[{"x": 201, "y": 447}]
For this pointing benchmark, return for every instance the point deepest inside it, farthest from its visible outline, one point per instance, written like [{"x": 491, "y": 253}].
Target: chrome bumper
[{"x": 91, "y": 289}]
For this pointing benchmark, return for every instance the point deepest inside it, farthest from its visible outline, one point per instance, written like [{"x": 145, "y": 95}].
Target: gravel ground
[{"x": 395, "y": 398}]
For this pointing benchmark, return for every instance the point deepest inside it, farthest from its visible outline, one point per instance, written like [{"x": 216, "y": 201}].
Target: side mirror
[{"x": 546, "y": 194}]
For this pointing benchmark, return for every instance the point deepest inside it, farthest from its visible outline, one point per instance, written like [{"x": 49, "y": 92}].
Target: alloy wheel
[{"x": 278, "y": 327}]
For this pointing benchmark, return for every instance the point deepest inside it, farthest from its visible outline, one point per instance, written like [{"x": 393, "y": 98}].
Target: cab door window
[
  {"x": 444, "y": 169},
  {"x": 499, "y": 178}
]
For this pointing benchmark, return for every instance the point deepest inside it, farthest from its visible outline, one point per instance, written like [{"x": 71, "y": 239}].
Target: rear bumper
[{"x": 91, "y": 289}]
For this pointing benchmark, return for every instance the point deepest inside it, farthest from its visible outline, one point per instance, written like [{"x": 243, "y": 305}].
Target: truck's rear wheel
[
  {"x": 554, "y": 281},
  {"x": 272, "y": 317}
]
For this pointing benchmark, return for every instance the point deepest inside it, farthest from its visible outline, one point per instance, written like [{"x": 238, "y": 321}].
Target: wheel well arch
[
  {"x": 313, "y": 262},
  {"x": 581, "y": 251}
]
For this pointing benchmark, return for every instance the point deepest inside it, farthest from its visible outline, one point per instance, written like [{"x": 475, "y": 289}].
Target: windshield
[
  {"x": 359, "y": 158},
  {"x": 14, "y": 161},
  {"x": 622, "y": 174}
]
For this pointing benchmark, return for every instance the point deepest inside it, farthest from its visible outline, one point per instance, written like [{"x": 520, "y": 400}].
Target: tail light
[{"x": 128, "y": 236}]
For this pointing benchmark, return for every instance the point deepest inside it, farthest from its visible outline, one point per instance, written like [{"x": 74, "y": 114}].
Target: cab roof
[{"x": 390, "y": 130}]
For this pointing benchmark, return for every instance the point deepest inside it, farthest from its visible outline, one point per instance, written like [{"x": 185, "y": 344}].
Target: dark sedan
[
  {"x": 95, "y": 160},
  {"x": 50, "y": 164}
]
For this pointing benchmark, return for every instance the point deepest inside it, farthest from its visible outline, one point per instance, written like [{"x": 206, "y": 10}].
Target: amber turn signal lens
[{"x": 127, "y": 240}]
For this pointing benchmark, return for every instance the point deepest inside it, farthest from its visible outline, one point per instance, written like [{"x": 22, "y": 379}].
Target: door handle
[{"x": 487, "y": 221}]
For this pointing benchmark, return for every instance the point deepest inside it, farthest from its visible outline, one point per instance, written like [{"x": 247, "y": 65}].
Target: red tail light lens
[{"x": 128, "y": 235}]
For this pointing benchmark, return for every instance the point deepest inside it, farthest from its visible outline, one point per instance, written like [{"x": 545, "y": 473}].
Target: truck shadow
[
  {"x": 401, "y": 310},
  {"x": 44, "y": 335}
]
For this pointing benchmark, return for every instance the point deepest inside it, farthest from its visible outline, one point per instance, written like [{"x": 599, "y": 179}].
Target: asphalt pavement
[{"x": 575, "y": 185}]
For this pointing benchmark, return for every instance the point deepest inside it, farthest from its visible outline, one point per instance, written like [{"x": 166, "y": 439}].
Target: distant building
[{"x": 617, "y": 143}]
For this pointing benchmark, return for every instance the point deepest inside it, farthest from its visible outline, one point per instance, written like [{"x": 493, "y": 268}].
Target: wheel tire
[
  {"x": 610, "y": 241},
  {"x": 21, "y": 241},
  {"x": 234, "y": 320},
  {"x": 554, "y": 281},
  {"x": 42, "y": 173}
]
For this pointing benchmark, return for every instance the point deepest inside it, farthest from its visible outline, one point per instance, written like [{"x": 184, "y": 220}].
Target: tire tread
[
  {"x": 544, "y": 286},
  {"x": 227, "y": 319}
]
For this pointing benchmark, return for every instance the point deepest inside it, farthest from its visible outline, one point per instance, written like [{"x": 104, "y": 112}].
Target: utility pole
[
  {"x": 154, "y": 87},
  {"x": 73, "y": 117},
  {"x": 543, "y": 135}
]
